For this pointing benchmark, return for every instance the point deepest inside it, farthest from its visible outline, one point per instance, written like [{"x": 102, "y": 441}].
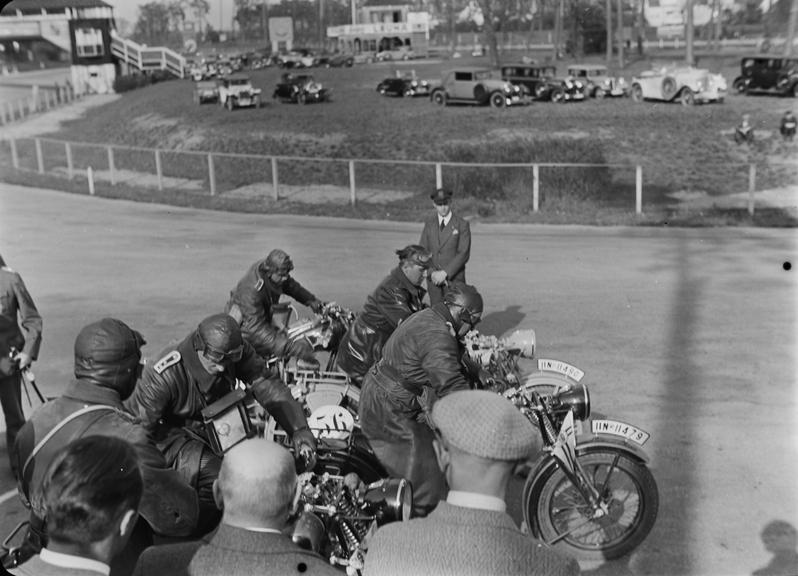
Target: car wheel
[
  {"x": 497, "y": 100},
  {"x": 439, "y": 97},
  {"x": 637, "y": 93},
  {"x": 687, "y": 98},
  {"x": 480, "y": 94},
  {"x": 558, "y": 96},
  {"x": 668, "y": 87},
  {"x": 599, "y": 94},
  {"x": 740, "y": 86}
]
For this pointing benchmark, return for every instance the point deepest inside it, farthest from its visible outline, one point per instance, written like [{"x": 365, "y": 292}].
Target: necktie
[{"x": 443, "y": 225}]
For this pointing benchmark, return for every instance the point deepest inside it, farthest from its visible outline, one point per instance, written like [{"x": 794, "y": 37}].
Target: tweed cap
[{"x": 485, "y": 424}]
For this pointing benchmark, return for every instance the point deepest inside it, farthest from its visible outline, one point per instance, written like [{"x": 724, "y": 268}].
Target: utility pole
[
  {"x": 791, "y": 28},
  {"x": 620, "y": 33},
  {"x": 688, "y": 33},
  {"x": 558, "y": 29},
  {"x": 641, "y": 26},
  {"x": 608, "y": 17}
]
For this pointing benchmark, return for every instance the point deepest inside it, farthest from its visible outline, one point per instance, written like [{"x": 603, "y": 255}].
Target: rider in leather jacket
[
  {"x": 397, "y": 297},
  {"x": 200, "y": 370},
  {"x": 421, "y": 362},
  {"x": 251, "y": 305}
]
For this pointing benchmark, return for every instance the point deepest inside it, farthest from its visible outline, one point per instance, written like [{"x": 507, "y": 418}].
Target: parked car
[
  {"x": 541, "y": 82},
  {"x": 399, "y": 53},
  {"x": 336, "y": 60},
  {"x": 597, "y": 80},
  {"x": 236, "y": 91},
  {"x": 772, "y": 74},
  {"x": 299, "y": 58},
  {"x": 206, "y": 91},
  {"x": 404, "y": 85},
  {"x": 479, "y": 86},
  {"x": 300, "y": 89},
  {"x": 687, "y": 85}
]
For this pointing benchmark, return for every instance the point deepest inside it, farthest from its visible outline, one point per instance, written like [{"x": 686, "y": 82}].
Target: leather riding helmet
[
  {"x": 416, "y": 254},
  {"x": 278, "y": 262},
  {"x": 219, "y": 338},
  {"x": 467, "y": 299},
  {"x": 108, "y": 352}
]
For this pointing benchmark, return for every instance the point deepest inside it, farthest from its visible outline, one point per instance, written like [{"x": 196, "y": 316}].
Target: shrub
[{"x": 129, "y": 82}]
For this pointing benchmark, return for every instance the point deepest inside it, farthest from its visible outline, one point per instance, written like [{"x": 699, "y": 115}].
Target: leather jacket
[
  {"x": 169, "y": 504},
  {"x": 173, "y": 391},
  {"x": 254, "y": 296},
  {"x": 393, "y": 301}
]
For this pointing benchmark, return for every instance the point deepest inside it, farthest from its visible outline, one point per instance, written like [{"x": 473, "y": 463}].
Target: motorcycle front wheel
[{"x": 557, "y": 513}]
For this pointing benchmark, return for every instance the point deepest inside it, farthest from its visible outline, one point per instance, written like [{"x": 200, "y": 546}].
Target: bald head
[{"x": 257, "y": 483}]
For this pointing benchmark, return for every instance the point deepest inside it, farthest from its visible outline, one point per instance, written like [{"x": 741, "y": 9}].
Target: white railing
[{"x": 146, "y": 58}]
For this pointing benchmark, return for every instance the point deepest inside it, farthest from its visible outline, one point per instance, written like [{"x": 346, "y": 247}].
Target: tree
[{"x": 152, "y": 27}]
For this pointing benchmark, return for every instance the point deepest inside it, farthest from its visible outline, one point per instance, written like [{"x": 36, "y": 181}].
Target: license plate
[
  {"x": 563, "y": 368},
  {"x": 622, "y": 429}
]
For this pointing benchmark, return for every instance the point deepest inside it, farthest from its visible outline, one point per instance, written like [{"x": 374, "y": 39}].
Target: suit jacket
[
  {"x": 451, "y": 248},
  {"x": 234, "y": 551},
  {"x": 171, "y": 559},
  {"x": 38, "y": 567},
  {"x": 456, "y": 541},
  {"x": 20, "y": 322}
]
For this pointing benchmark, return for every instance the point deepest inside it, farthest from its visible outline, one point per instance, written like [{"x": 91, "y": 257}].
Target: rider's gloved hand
[
  {"x": 302, "y": 350},
  {"x": 317, "y": 306},
  {"x": 305, "y": 448}
]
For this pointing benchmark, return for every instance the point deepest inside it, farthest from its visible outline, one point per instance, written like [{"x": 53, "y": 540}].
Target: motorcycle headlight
[
  {"x": 573, "y": 397},
  {"x": 390, "y": 500}
]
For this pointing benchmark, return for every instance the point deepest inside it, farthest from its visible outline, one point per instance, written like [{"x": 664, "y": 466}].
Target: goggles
[
  {"x": 229, "y": 357},
  {"x": 469, "y": 317}
]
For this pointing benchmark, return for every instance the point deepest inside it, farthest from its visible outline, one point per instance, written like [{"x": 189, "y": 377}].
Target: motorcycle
[{"x": 590, "y": 492}]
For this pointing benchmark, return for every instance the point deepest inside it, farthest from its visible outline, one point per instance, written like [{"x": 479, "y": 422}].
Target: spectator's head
[
  {"x": 218, "y": 342},
  {"x": 278, "y": 266},
  {"x": 256, "y": 484},
  {"x": 91, "y": 493},
  {"x": 442, "y": 198},
  {"x": 465, "y": 305},
  {"x": 779, "y": 536},
  {"x": 108, "y": 353},
  {"x": 480, "y": 437},
  {"x": 414, "y": 261}
]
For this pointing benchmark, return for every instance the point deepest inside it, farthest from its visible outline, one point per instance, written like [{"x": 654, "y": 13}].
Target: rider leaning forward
[
  {"x": 203, "y": 368},
  {"x": 420, "y": 363}
]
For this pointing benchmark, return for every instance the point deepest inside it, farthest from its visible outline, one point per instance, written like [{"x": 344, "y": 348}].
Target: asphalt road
[{"x": 688, "y": 333}]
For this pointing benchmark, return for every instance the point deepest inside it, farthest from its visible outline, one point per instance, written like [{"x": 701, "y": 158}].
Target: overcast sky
[{"x": 129, "y": 9}]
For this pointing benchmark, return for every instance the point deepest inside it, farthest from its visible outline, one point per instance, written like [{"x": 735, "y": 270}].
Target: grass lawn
[{"x": 681, "y": 150}]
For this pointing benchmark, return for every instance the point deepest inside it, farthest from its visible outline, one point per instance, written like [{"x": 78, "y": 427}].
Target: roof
[
  {"x": 386, "y": 3},
  {"x": 28, "y": 5},
  {"x": 588, "y": 66}
]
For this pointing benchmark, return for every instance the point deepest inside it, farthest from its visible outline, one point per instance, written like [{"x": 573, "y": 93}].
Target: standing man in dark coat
[
  {"x": 251, "y": 305},
  {"x": 448, "y": 238},
  {"x": 21, "y": 329},
  {"x": 200, "y": 370},
  {"x": 107, "y": 365},
  {"x": 421, "y": 356},
  {"x": 397, "y": 297}
]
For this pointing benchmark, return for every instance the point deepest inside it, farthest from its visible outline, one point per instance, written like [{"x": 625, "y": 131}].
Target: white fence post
[
  {"x": 438, "y": 176},
  {"x": 90, "y": 176},
  {"x": 68, "y": 151},
  {"x": 111, "y": 167},
  {"x": 751, "y": 187},
  {"x": 158, "y": 170},
  {"x": 211, "y": 175},
  {"x": 39, "y": 156},
  {"x": 638, "y": 189},
  {"x": 21, "y": 107},
  {"x": 535, "y": 187},
  {"x": 14, "y": 155},
  {"x": 275, "y": 180},
  {"x": 352, "y": 190}
]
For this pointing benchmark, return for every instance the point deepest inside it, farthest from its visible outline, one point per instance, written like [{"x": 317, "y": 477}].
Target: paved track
[{"x": 688, "y": 333}]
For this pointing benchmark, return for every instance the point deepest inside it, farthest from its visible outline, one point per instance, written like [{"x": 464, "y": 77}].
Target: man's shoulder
[
  {"x": 172, "y": 559},
  {"x": 460, "y": 221}
]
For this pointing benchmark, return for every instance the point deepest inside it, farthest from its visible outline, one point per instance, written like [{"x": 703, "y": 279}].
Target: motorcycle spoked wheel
[
  {"x": 553, "y": 506},
  {"x": 357, "y": 457}
]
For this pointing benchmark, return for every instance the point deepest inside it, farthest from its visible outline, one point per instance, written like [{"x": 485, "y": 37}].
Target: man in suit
[
  {"x": 480, "y": 438},
  {"x": 256, "y": 488},
  {"x": 448, "y": 238},
  {"x": 91, "y": 494}
]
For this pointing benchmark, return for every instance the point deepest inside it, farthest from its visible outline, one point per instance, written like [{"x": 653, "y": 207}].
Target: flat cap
[
  {"x": 441, "y": 196},
  {"x": 485, "y": 424}
]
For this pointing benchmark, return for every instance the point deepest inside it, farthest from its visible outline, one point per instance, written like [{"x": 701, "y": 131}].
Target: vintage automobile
[
  {"x": 407, "y": 85},
  {"x": 597, "y": 80},
  {"x": 767, "y": 74},
  {"x": 336, "y": 60},
  {"x": 298, "y": 58},
  {"x": 300, "y": 89},
  {"x": 686, "y": 84},
  {"x": 478, "y": 86},
  {"x": 206, "y": 91},
  {"x": 398, "y": 53},
  {"x": 541, "y": 82},
  {"x": 236, "y": 91}
]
